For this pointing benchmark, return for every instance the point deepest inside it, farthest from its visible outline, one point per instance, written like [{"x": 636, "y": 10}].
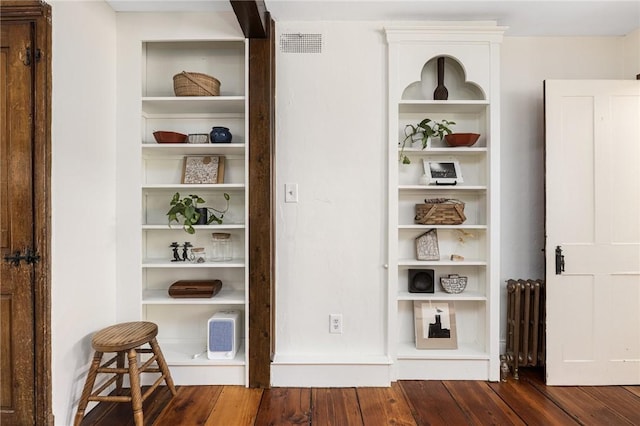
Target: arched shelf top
[{"x": 455, "y": 80}]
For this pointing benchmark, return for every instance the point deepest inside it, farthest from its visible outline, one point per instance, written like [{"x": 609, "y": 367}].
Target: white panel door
[{"x": 593, "y": 216}]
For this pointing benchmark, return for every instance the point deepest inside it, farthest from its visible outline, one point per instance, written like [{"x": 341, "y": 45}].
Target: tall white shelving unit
[
  {"x": 183, "y": 321},
  {"x": 472, "y": 79}
]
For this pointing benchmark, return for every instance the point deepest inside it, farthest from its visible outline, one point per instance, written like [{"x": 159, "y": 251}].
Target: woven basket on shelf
[
  {"x": 440, "y": 211},
  {"x": 195, "y": 84}
]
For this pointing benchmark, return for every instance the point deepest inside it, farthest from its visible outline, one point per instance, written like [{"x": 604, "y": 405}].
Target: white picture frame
[
  {"x": 435, "y": 325},
  {"x": 443, "y": 172}
]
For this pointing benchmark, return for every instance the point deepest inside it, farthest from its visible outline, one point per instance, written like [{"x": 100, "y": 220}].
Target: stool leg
[
  {"x": 136, "y": 393},
  {"x": 88, "y": 387},
  {"x": 163, "y": 365},
  {"x": 119, "y": 364}
]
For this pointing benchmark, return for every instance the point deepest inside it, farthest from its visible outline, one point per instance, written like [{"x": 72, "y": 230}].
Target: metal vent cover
[{"x": 300, "y": 43}]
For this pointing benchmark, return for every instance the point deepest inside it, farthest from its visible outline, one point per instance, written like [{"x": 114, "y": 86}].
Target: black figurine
[
  {"x": 176, "y": 255},
  {"x": 185, "y": 251}
]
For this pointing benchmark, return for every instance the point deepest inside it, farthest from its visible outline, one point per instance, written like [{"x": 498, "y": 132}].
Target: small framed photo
[
  {"x": 203, "y": 169},
  {"x": 443, "y": 172},
  {"x": 435, "y": 325}
]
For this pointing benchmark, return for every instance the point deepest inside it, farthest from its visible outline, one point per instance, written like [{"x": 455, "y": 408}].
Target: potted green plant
[
  {"x": 191, "y": 214},
  {"x": 422, "y": 132}
]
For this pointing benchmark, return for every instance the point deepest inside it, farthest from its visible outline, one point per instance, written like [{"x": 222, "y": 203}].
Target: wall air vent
[{"x": 300, "y": 43}]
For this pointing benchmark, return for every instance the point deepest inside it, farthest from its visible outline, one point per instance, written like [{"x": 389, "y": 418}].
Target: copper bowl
[
  {"x": 461, "y": 139},
  {"x": 169, "y": 137}
]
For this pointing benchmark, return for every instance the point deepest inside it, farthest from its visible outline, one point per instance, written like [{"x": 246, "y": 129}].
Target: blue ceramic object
[{"x": 220, "y": 134}]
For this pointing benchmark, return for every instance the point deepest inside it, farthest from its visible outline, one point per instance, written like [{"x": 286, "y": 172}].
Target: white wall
[
  {"x": 331, "y": 116},
  {"x": 83, "y": 191},
  {"x": 331, "y": 123},
  {"x": 631, "y": 54}
]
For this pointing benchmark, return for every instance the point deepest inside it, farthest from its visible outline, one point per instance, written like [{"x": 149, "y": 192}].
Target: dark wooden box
[{"x": 195, "y": 288}]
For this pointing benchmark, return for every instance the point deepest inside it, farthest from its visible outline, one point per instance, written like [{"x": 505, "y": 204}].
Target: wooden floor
[{"x": 524, "y": 402}]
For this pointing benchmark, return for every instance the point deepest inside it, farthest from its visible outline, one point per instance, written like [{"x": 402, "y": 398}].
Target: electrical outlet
[{"x": 335, "y": 323}]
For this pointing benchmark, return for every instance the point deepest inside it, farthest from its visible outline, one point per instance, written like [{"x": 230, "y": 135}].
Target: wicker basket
[
  {"x": 440, "y": 211},
  {"x": 195, "y": 84}
]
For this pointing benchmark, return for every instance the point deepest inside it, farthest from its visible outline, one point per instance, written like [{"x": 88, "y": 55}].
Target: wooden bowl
[
  {"x": 169, "y": 137},
  {"x": 461, "y": 139}
]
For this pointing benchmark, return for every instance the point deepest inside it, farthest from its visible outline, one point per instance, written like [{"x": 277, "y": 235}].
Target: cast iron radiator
[{"x": 525, "y": 324}]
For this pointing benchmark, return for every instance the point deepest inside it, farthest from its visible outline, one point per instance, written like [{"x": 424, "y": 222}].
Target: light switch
[{"x": 290, "y": 192}]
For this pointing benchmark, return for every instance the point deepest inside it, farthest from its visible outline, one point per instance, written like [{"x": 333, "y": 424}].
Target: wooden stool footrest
[
  {"x": 104, "y": 386},
  {"x": 114, "y": 370},
  {"x": 110, "y": 398},
  {"x": 153, "y": 387},
  {"x": 145, "y": 367}
]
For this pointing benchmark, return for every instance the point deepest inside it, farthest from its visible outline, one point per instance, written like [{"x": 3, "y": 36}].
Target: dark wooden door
[
  {"x": 16, "y": 227},
  {"x": 25, "y": 157}
]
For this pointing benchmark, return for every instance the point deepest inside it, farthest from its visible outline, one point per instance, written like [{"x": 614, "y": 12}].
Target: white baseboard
[{"x": 304, "y": 371}]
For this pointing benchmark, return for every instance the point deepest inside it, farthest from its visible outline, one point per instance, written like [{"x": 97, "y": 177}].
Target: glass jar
[
  {"x": 199, "y": 255},
  {"x": 221, "y": 249}
]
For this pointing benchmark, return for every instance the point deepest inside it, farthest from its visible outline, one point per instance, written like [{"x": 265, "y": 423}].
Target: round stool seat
[{"x": 124, "y": 336}]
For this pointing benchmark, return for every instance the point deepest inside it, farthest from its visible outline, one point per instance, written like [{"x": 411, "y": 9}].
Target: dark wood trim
[
  {"x": 40, "y": 14},
  {"x": 42, "y": 182},
  {"x": 252, "y": 17},
  {"x": 261, "y": 235},
  {"x": 24, "y": 9}
]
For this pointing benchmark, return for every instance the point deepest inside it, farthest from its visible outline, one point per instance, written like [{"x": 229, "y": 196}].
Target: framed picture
[
  {"x": 427, "y": 246},
  {"x": 444, "y": 172},
  {"x": 435, "y": 325},
  {"x": 203, "y": 169}
]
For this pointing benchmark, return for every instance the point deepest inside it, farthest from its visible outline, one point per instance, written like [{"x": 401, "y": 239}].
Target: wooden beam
[
  {"x": 251, "y": 16},
  {"x": 261, "y": 204}
]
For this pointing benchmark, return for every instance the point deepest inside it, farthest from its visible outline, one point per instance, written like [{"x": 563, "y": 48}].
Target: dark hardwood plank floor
[{"x": 410, "y": 402}]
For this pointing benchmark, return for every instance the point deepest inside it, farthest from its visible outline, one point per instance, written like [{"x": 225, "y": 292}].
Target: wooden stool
[{"x": 125, "y": 338}]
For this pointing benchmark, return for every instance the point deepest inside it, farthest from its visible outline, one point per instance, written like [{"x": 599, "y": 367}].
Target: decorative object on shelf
[
  {"x": 421, "y": 281},
  {"x": 176, "y": 255},
  {"x": 203, "y": 169},
  {"x": 423, "y": 180},
  {"x": 195, "y": 288},
  {"x": 427, "y": 246},
  {"x": 221, "y": 247},
  {"x": 220, "y": 134},
  {"x": 461, "y": 139},
  {"x": 454, "y": 283},
  {"x": 435, "y": 325},
  {"x": 195, "y": 84},
  {"x": 423, "y": 132},
  {"x": 198, "y": 138},
  {"x": 443, "y": 172},
  {"x": 440, "y": 211},
  {"x": 441, "y": 93},
  {"x": 186, "y": 253},
  {"x": 186, "y": 208},
  {"x": 461, "y": 239},
  {"x": 199, "y": 255},
  {"x": 162, "y": 136}
]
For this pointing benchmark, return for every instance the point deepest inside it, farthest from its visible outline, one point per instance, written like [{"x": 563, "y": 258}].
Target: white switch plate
[{"x": 290, "y": 192}]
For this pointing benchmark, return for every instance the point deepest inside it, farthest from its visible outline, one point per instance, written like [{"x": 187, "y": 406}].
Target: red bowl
[
  {"x": 461, "y": 139},
  {"x": 169, "y": 137}
]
